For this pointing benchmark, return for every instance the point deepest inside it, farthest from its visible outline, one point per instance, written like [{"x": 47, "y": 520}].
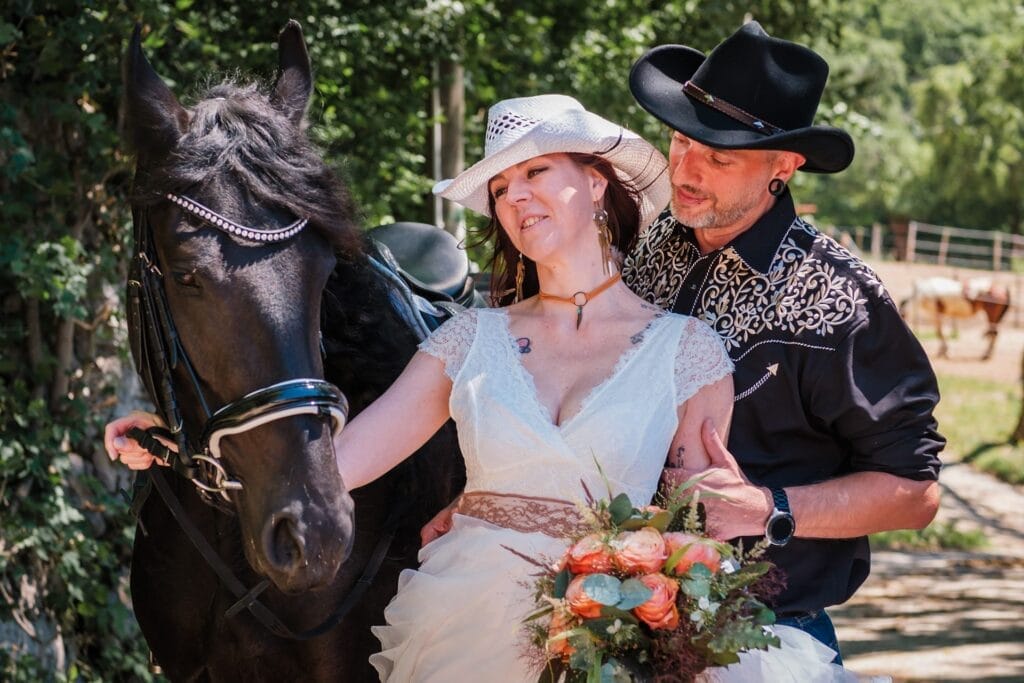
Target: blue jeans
[{"x": 817, "y": 624}]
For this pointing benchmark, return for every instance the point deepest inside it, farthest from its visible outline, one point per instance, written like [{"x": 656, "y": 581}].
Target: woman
[{"x": 576, "y": 382}]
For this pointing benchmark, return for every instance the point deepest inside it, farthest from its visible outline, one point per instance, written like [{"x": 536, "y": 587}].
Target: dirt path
[{"x": 949, "y": 616}]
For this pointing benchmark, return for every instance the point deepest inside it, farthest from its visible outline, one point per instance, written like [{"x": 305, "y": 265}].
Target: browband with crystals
[
  {"x": 730, "y": 110},
  {"x": 229, "y": 226}
]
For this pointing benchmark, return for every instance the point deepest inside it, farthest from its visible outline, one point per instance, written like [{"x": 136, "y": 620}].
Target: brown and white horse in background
[{"x": 948, "y": 298}]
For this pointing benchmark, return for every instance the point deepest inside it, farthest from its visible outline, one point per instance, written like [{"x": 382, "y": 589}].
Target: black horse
[{"x": 251, "y": 273}]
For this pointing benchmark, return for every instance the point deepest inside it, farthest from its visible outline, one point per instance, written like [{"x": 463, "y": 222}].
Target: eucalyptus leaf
[
  {"x": 603, "y": 588},
  {"x": 633, "y": 592},
  {"x": 697, "y": 582},
  {"x": 614, "y": 671},
  {"x": 620, "y": 509},
  {"x": 699, "y": 570},
  {"x": 562, "y": 580},
  {"x": 584, "y": 650}
]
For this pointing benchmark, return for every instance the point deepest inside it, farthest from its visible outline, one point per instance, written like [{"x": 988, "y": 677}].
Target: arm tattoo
[{"x": 524, "y": 344}]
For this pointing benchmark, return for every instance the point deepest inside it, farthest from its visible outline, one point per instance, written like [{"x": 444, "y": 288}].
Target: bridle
[{"x": 157, "y": 351}]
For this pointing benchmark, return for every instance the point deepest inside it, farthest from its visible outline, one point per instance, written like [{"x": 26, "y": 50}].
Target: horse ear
[
  {"x": 155, "y": 118},
  {"x": 295, "y": 78}
]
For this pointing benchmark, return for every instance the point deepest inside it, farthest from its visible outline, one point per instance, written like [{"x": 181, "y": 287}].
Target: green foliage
[
  {"x": 977, "y": 417},
  {"x": 64, "y": 532},
  {"x": 934, "y": 103},
  {"x": 942, "y": 536},
  {"x": 63, "y": 179},
  {"x": 973, "y": 111}
]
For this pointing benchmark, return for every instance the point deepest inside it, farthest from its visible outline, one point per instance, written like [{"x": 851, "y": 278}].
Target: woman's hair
[{"x": 621, "y": 201}]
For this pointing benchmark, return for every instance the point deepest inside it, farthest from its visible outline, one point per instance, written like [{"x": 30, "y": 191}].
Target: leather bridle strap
[
  {"x": 249, "y": 599},
  {"x": 276, "y": 402}
]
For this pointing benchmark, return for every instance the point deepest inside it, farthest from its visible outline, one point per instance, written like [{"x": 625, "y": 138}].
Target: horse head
[{"x": 240, "y": 223}]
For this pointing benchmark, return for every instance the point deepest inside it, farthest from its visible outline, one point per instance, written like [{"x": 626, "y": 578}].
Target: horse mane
[
  {"x": 367, "y": 345},
  {"x": 235, "y": 130}
]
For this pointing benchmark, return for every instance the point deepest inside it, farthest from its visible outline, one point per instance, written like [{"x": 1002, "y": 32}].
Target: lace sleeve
[
  {"x": 700, "y": 359},
  {"x": 451, "y": 341}
]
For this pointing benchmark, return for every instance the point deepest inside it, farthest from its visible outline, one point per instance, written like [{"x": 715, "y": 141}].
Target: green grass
[
  {"x": 977, "y": 417},
  {"x": 935, "y": 537}
]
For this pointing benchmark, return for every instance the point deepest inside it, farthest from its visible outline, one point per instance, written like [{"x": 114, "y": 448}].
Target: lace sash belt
[{"x": 527, "y": 514}]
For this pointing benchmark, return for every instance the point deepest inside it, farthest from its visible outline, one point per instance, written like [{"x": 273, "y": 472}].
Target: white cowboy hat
[{"x": 525, "y": 127}]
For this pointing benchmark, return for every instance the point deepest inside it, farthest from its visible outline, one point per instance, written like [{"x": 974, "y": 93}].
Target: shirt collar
[{"x": 758, "y": 245}]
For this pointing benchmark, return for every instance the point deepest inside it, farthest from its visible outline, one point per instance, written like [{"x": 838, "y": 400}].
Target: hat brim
[
  {"x": 635, "y": 160},
  {"x": 656, "y": 81}
]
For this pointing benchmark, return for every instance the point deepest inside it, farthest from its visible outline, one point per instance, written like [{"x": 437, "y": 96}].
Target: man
[{"x": 832, "y": 436}]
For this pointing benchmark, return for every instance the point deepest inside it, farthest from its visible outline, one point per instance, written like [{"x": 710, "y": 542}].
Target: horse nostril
[{"x": 284, "y": 544}]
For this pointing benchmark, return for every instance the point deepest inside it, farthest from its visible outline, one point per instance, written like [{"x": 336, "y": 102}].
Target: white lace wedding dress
[{"x": 459, "y": 617}]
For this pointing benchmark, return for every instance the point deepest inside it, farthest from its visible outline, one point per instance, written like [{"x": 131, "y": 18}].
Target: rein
[
  {"x": 249, "y": 599},
  {"x": 157, "y": 351}
]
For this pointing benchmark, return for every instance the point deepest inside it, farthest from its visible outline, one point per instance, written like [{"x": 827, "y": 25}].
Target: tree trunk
[
  {"x": 453, "y": 107},
  {"x": 34, "y": 333},
  {"x": 1018, "y": 432},
  {"x": 62, "y": 369}
]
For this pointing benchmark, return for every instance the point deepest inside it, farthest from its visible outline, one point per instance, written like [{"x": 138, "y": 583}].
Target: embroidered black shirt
[{"x": 829, "y": 380}]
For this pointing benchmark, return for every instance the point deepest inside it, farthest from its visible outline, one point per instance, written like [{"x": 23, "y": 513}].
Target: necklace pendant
[{"x": 579, "y": 316}]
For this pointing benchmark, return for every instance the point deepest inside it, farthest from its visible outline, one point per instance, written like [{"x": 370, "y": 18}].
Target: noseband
[{"x": 157, "y": 351}]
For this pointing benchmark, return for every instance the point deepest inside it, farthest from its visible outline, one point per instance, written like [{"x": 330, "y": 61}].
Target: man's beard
[{"x": 717, "y": 215}]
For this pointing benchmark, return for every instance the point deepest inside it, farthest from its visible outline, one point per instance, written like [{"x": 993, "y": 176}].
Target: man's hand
[
  {"x": 737, "y": 507},
  {"x": 439, "y": 525},
  {"x": 128, "y": 451}
]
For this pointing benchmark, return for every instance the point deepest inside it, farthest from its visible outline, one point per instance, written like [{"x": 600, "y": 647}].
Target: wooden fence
[
  {"x": 980, "y": 249},
  {"x": 916, "y": 242}
]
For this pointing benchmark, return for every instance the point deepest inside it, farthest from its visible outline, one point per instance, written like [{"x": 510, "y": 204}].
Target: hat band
[{"x": 730, "y": 110}]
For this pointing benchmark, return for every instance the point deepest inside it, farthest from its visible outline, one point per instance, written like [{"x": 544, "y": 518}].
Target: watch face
[{"x": 781, "y": 528}]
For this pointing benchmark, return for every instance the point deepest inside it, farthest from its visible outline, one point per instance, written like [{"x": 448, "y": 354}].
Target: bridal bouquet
[{"x": 644, "y": 595}]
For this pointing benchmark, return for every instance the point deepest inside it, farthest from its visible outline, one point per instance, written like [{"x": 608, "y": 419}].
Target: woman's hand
[{"x": 128, "y": 451}]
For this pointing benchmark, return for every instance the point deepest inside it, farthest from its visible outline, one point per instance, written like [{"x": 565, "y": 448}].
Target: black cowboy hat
[{"x": 751, "y": 92}]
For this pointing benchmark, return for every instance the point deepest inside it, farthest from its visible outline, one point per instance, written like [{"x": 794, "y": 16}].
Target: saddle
[{"x": 427, "y": 271}]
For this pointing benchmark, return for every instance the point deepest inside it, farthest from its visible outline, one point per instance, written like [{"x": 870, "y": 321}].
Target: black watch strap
[{"x": 780, "y": 499}]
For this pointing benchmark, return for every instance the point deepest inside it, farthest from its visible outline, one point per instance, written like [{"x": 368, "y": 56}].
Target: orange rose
[
  {"x": 579, "y": 602},
  {"x": 659, "y": 612},
  {"x": 697, "y": 550},
  {"x": 561, "y": 621},
  {"x": 589, "y": 555},
  {"x": 640, "y": 551}
]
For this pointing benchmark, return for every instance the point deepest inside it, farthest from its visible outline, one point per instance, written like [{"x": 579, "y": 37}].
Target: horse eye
[{"x": 187, "y": 279}]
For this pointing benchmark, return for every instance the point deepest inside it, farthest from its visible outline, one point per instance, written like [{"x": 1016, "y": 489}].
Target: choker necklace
[{"x": 581, "y": 299}]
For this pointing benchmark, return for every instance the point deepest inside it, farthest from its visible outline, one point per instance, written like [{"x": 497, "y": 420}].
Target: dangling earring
[
  {"x": 520, "y": 276},
  {"x": 604, "y": 237},
  {"x": 776, "y": 187}
]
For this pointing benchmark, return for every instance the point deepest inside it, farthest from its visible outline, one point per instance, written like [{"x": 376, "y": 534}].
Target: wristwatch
[{"x": 780, "y": 526}]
